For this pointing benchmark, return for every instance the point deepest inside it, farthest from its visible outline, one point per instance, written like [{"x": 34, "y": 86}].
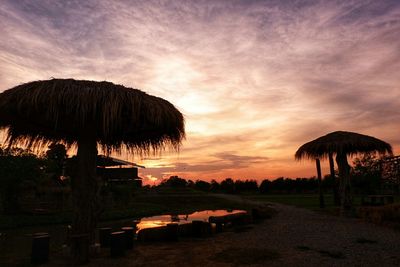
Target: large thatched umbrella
[
  {"x": 342, "y": 144},
  {"x": 86, "y": 114}
]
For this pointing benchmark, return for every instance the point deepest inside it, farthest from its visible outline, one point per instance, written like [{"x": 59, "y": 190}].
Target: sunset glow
[{"x": 254, "y": 79}]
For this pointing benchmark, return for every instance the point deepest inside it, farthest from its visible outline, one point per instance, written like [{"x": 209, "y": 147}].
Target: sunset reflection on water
[{"x": 162, "y": 220}]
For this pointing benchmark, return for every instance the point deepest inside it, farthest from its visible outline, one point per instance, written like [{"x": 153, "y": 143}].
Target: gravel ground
[{"x": 294, "y": 237}]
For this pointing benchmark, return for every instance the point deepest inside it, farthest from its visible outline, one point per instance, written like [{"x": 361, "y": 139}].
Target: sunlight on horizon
[{"x": 254, "y": 80}]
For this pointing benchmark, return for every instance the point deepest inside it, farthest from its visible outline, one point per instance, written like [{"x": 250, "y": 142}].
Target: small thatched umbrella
[
  {"x": 342, "y": 144},
  {"x": 86, "y": 114}
]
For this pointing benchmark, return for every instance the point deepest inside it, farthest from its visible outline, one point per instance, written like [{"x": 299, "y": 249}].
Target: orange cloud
[{"x": 255, "y": 79}]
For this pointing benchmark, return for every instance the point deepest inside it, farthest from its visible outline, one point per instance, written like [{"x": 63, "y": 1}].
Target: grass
[
  {"x": 298, "y": 200},
  {"x": 308, "y": 201}
]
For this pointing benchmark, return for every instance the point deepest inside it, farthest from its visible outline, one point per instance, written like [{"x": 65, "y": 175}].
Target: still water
[{"x": 162, "y": 220}]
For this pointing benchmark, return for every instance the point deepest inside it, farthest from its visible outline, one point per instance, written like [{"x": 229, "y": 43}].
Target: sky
[{"x": 254, "y": 79}]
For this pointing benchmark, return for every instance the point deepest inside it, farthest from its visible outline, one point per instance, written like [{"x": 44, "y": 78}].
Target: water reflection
[
  {"x": 175, "y": 218},
  {"x": 162, "y": 220}
]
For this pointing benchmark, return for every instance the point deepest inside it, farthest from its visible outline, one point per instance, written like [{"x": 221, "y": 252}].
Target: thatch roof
[
  {"x": 339, "y": 142},
  {"x": 40, "y": 112}
]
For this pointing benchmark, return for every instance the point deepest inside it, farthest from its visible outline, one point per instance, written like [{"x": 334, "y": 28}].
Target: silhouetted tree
[
  {"x": 228, "y": 186},
  {"x": 190, "y": 184},
  {"x": 16, "y": 166},
  {"x": 239, "y": 186},
  {"x": 56, "y": 156},
  {"x": 265, "y": 186},
  {"x": 279, "y": 185},
  {"x": 251, "y": 185},
  {"x": 329, "y": 182},
  {"x": 215, "y": 186},
  {"x": 366, "y": 174},
  {"x": 175, "y": 182},
  {"x": 202, "y": 185},
  {"x": 288, "y": 185},
  {"x": 246, "y": 186}
]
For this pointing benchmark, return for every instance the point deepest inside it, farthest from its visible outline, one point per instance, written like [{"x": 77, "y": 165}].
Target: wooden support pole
[
  {"x": 336, "y": 195},
  {"x": 321, "y": 196}
]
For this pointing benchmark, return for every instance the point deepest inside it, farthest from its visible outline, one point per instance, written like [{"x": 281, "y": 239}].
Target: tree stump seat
[
  {"x": 40, "y": 248},
  {"x": 153, "y": 234},
  {"x": 201, "y": 228},
  {"x": 117, "y": 244},
  {"x": 172, "y": 231},
  {"x": 236, "y": 218},
  {"x": 129, "y": 233}
]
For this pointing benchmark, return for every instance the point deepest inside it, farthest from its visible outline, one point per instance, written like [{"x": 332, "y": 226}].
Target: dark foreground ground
[{"x": 294, "y": 237}]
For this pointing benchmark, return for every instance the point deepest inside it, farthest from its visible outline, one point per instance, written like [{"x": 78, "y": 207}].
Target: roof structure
[{"x": 104, "y": 161}]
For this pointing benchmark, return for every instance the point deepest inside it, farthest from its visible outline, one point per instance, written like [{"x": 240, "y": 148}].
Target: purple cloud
[{"x": 255, "y": 77}]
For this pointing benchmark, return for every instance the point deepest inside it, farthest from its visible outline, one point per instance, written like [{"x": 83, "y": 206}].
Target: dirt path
[{"x": 294, "y": 237}]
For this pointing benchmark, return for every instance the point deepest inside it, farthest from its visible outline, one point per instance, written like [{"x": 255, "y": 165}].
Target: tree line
[
  {"x": 365, "y": 174},
  {"x": 266, "y": 186}
]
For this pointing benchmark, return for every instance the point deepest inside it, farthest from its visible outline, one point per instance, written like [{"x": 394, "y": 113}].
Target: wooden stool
[
  {"x": 172, "y": 232},
  {"x": 40, "y": 248},
  {"x": 129, "y": 236},
  {"x": 117, "y": 244}
]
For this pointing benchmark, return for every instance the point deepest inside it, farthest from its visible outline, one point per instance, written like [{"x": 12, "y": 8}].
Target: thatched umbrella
[
  {"x": 342, "y": 144},
  {"x": 86, "y": 114}
]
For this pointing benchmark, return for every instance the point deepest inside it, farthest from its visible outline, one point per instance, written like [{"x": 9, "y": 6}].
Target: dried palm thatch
[
  {"x": 40, "y": 112},
  {"x": 341, "y": 142},
  {"x": 85, "y": 114}
]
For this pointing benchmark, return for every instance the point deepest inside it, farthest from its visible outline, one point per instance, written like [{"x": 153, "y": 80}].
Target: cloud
[
  {"x": 218, "y": 163},
  {"x": 253, "y": 78}
]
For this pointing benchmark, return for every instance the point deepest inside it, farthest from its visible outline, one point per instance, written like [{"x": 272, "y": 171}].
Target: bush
[{"x": 16, "y": 166}]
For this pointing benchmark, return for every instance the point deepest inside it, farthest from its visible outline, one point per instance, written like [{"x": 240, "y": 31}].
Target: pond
[{"x": 162, "y": 220}]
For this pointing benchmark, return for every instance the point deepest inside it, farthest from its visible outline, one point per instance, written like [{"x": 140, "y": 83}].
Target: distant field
[
  {"x": 309, "y": 201},
  {"x": 299, "y": 200}
]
